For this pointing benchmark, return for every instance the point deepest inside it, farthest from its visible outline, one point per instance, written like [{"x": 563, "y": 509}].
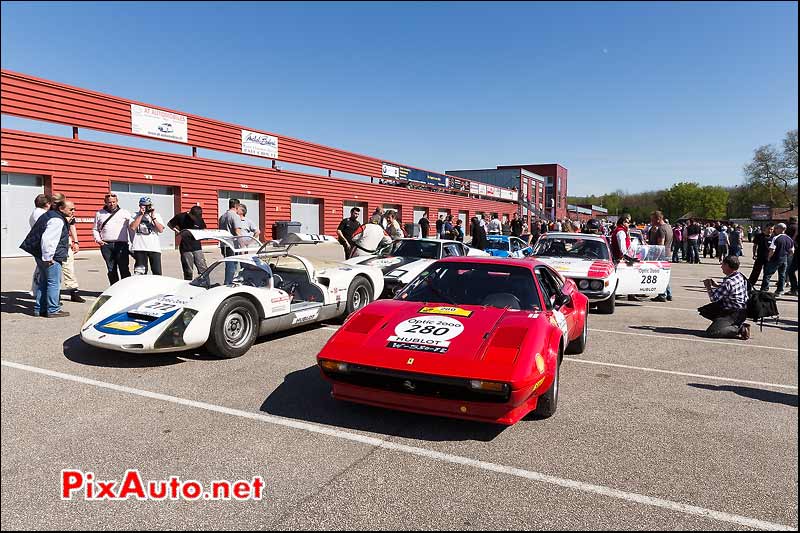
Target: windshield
[
  {"x": 240, "y": 273},
  {"x": 497, "y": 244},
  {"x": 571, "y": 247},
  {"x": 474, "y": 284},
  {"x": 413, "y": 248}
]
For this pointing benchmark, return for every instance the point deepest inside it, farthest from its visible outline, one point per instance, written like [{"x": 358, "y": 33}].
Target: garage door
[
  {"x": 306, "y": 211},
  {"x": 18, "y": 193},
  {"x": 249, "y": 199},
  {"x": 350, "y": 205},
  {"x": 163, "y": 201},
  {"x": 419, "y": 212},
  {"x": 463, "y": 215}
]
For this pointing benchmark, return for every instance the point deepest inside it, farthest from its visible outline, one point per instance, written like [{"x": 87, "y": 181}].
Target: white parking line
[
  {"x": 742, "y": 344},
  {"x": 686, "y": 374},
  {"x": 423, "y": 452}
]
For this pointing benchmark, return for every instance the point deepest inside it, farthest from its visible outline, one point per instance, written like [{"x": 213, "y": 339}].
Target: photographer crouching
[{"x": 728, "y": 307}]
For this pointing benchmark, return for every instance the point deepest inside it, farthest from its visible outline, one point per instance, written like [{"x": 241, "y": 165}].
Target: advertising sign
[
  {"x": 474, "y": 188},
  {"x": 506, "y": 194},
  {"x": 159, "y": 124},
  {"x": 390, "y": 171},
  {"x": 482, "y": 189},
  {"x": 489, "y": 190},
  {"x": 261, "y": 144},
  {"x": 422, "y": 176},
  {"x": 760, "y": 212}
]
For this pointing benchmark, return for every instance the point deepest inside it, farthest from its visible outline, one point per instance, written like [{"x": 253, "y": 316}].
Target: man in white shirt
[
  {"x": 231, "y": 221},
  {"x": 112, "y": 231},
  {"x": 248, "y": 228},
  {"x": 48, "y": 243},
  {"x": 494, "y": 227}
]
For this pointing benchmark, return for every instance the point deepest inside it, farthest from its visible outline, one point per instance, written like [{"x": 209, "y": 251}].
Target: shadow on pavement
[
  {"x": 78, "y": 351},
  {"x": 20, "y": 302},
  {"x": 749, "y": 392},
  {"x": 305, "y": 395},
  {"x": 672, "y": 331}
]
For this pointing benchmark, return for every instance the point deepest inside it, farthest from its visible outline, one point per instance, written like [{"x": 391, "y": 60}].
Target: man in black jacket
[
  {"x": 760, "y": 250},
  {"x": 48, "y": 243}
]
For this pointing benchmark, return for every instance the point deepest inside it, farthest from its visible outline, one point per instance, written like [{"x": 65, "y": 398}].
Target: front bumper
[
  {"x": 126, "y": 343},
  {"x": 505, "y": 411},
  {"x": 596, "y": 296}
]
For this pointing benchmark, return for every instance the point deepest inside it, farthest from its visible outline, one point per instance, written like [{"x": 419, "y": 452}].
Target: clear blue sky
[{"x": 625, "y": 95}]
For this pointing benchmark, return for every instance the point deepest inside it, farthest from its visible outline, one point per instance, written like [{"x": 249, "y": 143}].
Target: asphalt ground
[{"x": 657, "y": 428}]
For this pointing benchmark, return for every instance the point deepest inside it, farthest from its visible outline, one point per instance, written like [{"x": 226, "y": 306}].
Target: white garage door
[
  {"x": 306, "y": 211},
  {"x": 163, "y": 201},
  {"x": 18, "y": 194},
  {"x": 249, "y": 199},
  {"x": 350, "y": 205},
  {"x": 464, "y": 220}
]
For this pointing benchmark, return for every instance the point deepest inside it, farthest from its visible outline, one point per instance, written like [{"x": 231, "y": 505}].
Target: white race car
[
  {"x": 586, "y": 259},
  {"x": 264, "y": 292},
  {"x": 403, "y": 259}
]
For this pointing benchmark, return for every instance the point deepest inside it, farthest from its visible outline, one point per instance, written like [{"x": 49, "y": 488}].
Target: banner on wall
[
  {"x": 423, "y": 176},
  {"x": 474, "y": 188},
  {"x": 261, "y": 144},
  {"x": 159, "y": 124},
  {"x": 390, "y": 171}
]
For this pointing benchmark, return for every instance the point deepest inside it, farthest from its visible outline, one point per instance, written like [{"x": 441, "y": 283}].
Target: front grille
[{"x": 416, "y": 384}]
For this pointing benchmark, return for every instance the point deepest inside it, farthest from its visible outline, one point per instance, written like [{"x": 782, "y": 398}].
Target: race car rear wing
[{"x": 241, "y": 244}]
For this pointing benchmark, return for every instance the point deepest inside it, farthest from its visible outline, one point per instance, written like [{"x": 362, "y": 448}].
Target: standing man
[
  {"x": 424, "y": 225},
  {"x": 393, "y": 226},
  {"x": 439, "y": 226},
  {"x": 111, "y": 232},
  {"x": 736, "y": 241},
  {"x": 780, "y": 249},
  {"x": 346, "y": 229},
  {"x": 189, "y": 247},
  {"x": 69, "y": 281},
  {"x": 146, "y": 227},
  {"x": 791, "y": 269},
  {"x": 41, "y": 205},
  {"x": 378, "y": 215},
  {"x": 693, "y": 236},
  {"x": 48, "y": 243},
  {"x": 723, "y": 242},
  {"x": 494, "y": 227},
  {"x": 248, "y": 228},
  {"x": 230, "y": 221},
  {"x": 760, "y": 252},
  {"x": 660, "y": 234},
  {"x": 516, "y": 225},
  {"x": 731, "y": 296}
]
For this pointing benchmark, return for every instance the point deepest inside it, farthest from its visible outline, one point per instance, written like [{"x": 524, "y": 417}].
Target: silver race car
[
  {"x": 403, "y": 259},
  {"x": 266, "y": 289}
]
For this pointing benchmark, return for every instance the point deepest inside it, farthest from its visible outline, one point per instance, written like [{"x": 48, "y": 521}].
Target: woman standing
[{"x": 146, "y": 226}]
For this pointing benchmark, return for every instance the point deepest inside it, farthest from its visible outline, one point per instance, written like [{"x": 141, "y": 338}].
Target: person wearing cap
[
  {"x": 146, "y": 226},
  {"x": 112, "y": 231},
  {"x": 723, "y": 242}
]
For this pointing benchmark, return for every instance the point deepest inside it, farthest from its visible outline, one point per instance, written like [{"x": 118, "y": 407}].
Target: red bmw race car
[{"x": 473, "y": 338}]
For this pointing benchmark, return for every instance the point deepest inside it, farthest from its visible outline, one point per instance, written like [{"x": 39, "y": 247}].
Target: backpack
[{"x": 762, "y": 304}]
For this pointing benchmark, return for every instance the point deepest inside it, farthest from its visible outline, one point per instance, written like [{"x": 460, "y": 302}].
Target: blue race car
[{"x": 507, "y": 246}]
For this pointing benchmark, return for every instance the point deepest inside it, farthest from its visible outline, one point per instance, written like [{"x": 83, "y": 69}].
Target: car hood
[
  {"x": 144, "y": 315},
  {"x": 579, "y": 267},
  {"x": 434, "y": 338},
  {"x": 388, "y": 265}
]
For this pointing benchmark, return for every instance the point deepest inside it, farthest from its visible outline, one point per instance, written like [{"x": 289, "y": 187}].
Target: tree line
[{"x": 770, "y": 179}]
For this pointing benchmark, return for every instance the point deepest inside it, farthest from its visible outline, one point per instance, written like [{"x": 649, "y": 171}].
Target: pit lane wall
[{"x": 84, "y": 170}]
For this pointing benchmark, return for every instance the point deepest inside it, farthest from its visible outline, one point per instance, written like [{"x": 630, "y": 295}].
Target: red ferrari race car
[{"x": 472, "y": 338}]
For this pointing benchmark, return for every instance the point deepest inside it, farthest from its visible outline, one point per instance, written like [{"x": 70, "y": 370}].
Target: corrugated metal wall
[{"x": 83, "y": 171}]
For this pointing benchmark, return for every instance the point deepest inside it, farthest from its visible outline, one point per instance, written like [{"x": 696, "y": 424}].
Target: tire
[
  {"x": 358, "y": 295},
  {"x": 606, "y": 307},
  {"x": 234, "y": 328},
  {"x": 547, "y": 402},
  {"x": 579, "y": 345}
]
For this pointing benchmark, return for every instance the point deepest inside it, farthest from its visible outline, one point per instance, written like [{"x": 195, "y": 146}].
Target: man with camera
[
  {"x": 728, "y": 307},
  {"x": 146, "y": 226}
]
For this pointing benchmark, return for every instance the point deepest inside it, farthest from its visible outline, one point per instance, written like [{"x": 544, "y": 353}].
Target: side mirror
[{"x": 563, "y": 299}]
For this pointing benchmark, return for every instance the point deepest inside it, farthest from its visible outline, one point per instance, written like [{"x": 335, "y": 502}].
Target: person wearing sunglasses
[{"x": 48, "y": 243}]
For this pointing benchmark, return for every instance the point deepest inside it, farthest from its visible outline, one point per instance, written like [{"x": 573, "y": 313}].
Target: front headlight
[
  {"x": 597, "y": 285},
  {"x": 583, "y": 284},
  {"x": 173, "y": 335},
  {"x": 95, "y": 306},
  {"x": 334, "y": 366}
]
